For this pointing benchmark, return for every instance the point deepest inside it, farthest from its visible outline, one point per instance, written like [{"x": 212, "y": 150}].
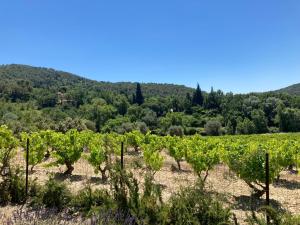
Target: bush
[
  {"x": 140, "y": 207},
  {"x": 12, "y": 188},
  {"x": 190, "y": 130},
  {"x": 67, "y": 148},
  {"x": 176, "y": 131},
  {"x": 193, "y": 204},
  {"x": 142, "y": 127},
  {"x": 126, "y": 127},
  {"x": 245, "y": 126},
  {"x": 213, "y": 128},
  {"x": 275, "y": 216},
  {"x": 273, "y": 130},
  {"x": 90, "y": 125},
  {"x": 8, "y": 145},
  {"x": 55, "y": 194},
  {"x": 202, "y": 131},
  {"x": 17, "y": 187},
  {"x": 88, "y": 200}
]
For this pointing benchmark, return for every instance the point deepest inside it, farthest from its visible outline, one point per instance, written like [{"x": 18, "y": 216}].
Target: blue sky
[{"x": 233, "y": 45}]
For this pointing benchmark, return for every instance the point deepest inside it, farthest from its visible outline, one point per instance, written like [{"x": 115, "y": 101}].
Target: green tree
[
  {"x": 197, "y": 97},
  {"x": 171, "y": 119},
  {"x": 213, "y": 128},
  {"x": 214, "y": 99},
  {"x": 122, "y": 105},
  {"x": 188, "y": 103},
  {"x": 139, "y": 98},
  {"x": 135, "y": 113},
  {"x": 69, "y": 123},
  {"x": 149, "y": 117},
  {"x": 245, "y": 126},
  {"x": 270, "y": 108},
  {"x": 260, "y": 121},
  {"x": 102, "y": 114},
  {"x": 289, "y": 120}
]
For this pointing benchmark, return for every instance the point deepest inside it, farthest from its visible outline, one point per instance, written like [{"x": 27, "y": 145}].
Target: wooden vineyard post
[
  {"x": 27, "y": 162},
  {"x": 267, "y": 185},
  {"x": 122, "y": 155}
]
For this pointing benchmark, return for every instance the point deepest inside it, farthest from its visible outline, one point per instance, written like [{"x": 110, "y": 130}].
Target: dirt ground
[{"x": 285, "y": 194}]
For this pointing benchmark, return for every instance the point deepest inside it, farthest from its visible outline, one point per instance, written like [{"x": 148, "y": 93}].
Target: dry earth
[{"x": 285, "y": 195}]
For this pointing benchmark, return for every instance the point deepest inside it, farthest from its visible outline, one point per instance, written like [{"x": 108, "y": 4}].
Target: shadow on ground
[
  {"x": 175, "y": 169},
  {"x": 288, "y": 184},
  {"x": 248, "y": 203},
  {"x": 98, "y": 180},
  {"x": 72, "y": 178}
]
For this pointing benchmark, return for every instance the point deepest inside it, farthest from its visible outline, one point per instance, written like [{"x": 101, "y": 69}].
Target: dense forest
[{"x": 33, "y": 98}]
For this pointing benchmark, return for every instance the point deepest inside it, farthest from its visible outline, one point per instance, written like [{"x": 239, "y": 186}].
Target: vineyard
[{"x": 147, "y": 157}]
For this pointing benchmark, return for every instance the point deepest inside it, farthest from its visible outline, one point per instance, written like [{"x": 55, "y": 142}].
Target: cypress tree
[
  {"x": 197, "y": 96},
  {"x": 188, "y": 103},
  {"x": 139, "y": 98},
  {"x": 133, "y": 99}
]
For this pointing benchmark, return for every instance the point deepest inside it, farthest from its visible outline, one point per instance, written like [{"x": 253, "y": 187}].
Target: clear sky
[{"x": 233, "y": 45}]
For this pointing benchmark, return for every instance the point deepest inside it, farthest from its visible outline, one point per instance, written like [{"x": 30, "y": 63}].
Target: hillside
[
  {"x": 292, "y": 90},
  {"x": 35, "y": 98},
  {"x": 38, "y": 77}
]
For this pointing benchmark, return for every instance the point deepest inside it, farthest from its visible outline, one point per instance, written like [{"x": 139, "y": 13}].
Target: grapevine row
[{"x": 244, "y": 155}]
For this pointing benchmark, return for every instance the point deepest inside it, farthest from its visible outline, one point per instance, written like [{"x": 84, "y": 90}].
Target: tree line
[{"x": 38, "y": 99}]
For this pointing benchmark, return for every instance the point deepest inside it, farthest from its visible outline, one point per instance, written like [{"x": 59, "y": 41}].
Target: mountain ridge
[
  {"x": 44, "y": 77},
  {"x": 293, "y": 89}
]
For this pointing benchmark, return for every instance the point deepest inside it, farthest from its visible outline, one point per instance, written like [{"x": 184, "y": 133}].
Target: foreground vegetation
[{"x": 244, "y": 155}]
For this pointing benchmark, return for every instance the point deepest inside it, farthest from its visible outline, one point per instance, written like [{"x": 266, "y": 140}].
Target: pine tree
[
  {"x": 139, "y": 98},
  {"x": 197, "y": 97}
]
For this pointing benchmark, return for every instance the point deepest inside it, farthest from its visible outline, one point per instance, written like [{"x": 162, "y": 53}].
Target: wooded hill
[
  {"x": 292, "y": 90},
  {"x": 34, "y": 98},
  {"x": 39, "y": 77}
]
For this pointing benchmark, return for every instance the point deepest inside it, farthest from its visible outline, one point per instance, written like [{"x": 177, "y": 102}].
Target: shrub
[
  {"x": 55, "y": 194},
  {"x": 90, "y": 125},
  {"x": 37, "y": 147},
  {"x": 5, "y": 196},
  {"x": 134, "y": 139},
  {"x": 140, "y": 207},
  {"x": 176, "y": 131},
  {"x": 88, "y": 200},
  {"x": 126, "y": 127},
  {"x": 142, "y": 127},
  {"x": 248, "y": 162},
  {"x": 190, "y": 130},
  {"x": 213, "y": 128},
  {"x": 245, "y": 126},
  {"x": 17, "y": 187},
  {"x": 273, "y": 130},
  {"x": 8, "y": 144},
  {"x": 202, "y": 155},
  {"x": 276, "y": 217},
  {"x": 193, "y": 204},
  {"x": 67, "y": 148},
  {"x": 12, "y": 188},
  {"x": 177, "y": 149}
]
